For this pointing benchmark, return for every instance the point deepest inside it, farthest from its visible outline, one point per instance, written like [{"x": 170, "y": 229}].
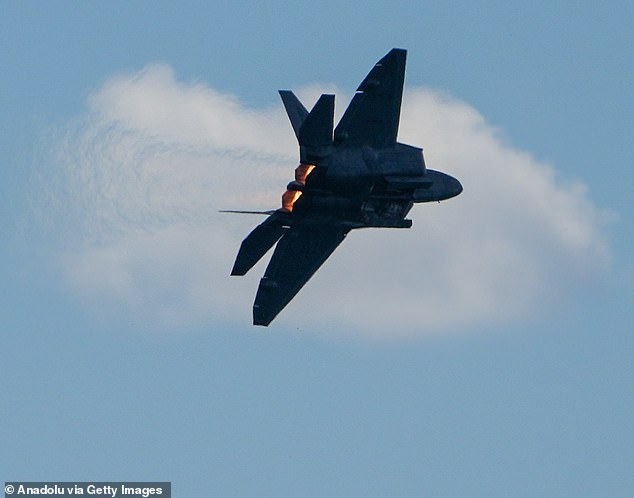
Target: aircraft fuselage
[{"x": 363, "y": 187}]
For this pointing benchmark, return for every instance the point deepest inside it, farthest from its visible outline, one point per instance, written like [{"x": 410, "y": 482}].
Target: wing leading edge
[
  {"x": 298, "y": 255},
  {"x": 373, "y": 115}
]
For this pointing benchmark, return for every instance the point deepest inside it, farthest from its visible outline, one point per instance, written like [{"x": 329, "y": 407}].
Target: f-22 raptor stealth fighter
[{"x": 358, "y": 176}]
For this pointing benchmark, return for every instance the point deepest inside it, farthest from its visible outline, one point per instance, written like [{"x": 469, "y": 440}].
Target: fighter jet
[{"x": 357, "y": 176}]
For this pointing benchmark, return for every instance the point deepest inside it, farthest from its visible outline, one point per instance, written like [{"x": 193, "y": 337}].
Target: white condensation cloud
[{"x": 144, "y": 172}]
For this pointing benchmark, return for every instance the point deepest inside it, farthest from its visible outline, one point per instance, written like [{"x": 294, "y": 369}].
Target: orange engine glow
[
  {"x": 302, "y": 171},
  {"x": 289, "y": 198}
]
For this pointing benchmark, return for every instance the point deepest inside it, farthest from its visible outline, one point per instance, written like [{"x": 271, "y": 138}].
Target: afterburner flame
[
  {"x": 302, "y": 171},
  {"x": 290, "y": 196}
]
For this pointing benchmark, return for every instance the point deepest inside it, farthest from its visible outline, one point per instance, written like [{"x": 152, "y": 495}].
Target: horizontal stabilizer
[
  {"x": 258, "y": 242},
  {"x": 238, "y": 211},
  {"x": 296, "y": 111}
]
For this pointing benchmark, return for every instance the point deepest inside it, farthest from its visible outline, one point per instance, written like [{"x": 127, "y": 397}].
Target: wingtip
[
  {"x": 239, "y": 268},
  {"x": 259, "y": 318}
]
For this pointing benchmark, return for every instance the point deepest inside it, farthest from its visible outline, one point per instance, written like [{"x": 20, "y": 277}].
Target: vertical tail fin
[
  {"x": 313, "y": 129},
  {"x": 316, "y": 130},
  {"x": 296, "y": 111}
]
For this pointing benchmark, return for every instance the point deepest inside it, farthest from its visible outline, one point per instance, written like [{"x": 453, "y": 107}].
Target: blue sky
[{"x": 500, "y": 361}]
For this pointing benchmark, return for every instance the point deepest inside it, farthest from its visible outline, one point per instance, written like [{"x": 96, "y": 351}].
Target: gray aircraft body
[{"x": 357, "y": 176}]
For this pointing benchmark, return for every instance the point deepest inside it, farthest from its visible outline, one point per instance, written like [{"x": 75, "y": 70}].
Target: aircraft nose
[
  {"x": 457, "y": 187},
  {"x": 454, "y": 187}
]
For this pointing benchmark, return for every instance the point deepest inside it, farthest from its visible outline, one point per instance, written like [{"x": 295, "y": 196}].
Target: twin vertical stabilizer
[{"x": 313, "y": 129}]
